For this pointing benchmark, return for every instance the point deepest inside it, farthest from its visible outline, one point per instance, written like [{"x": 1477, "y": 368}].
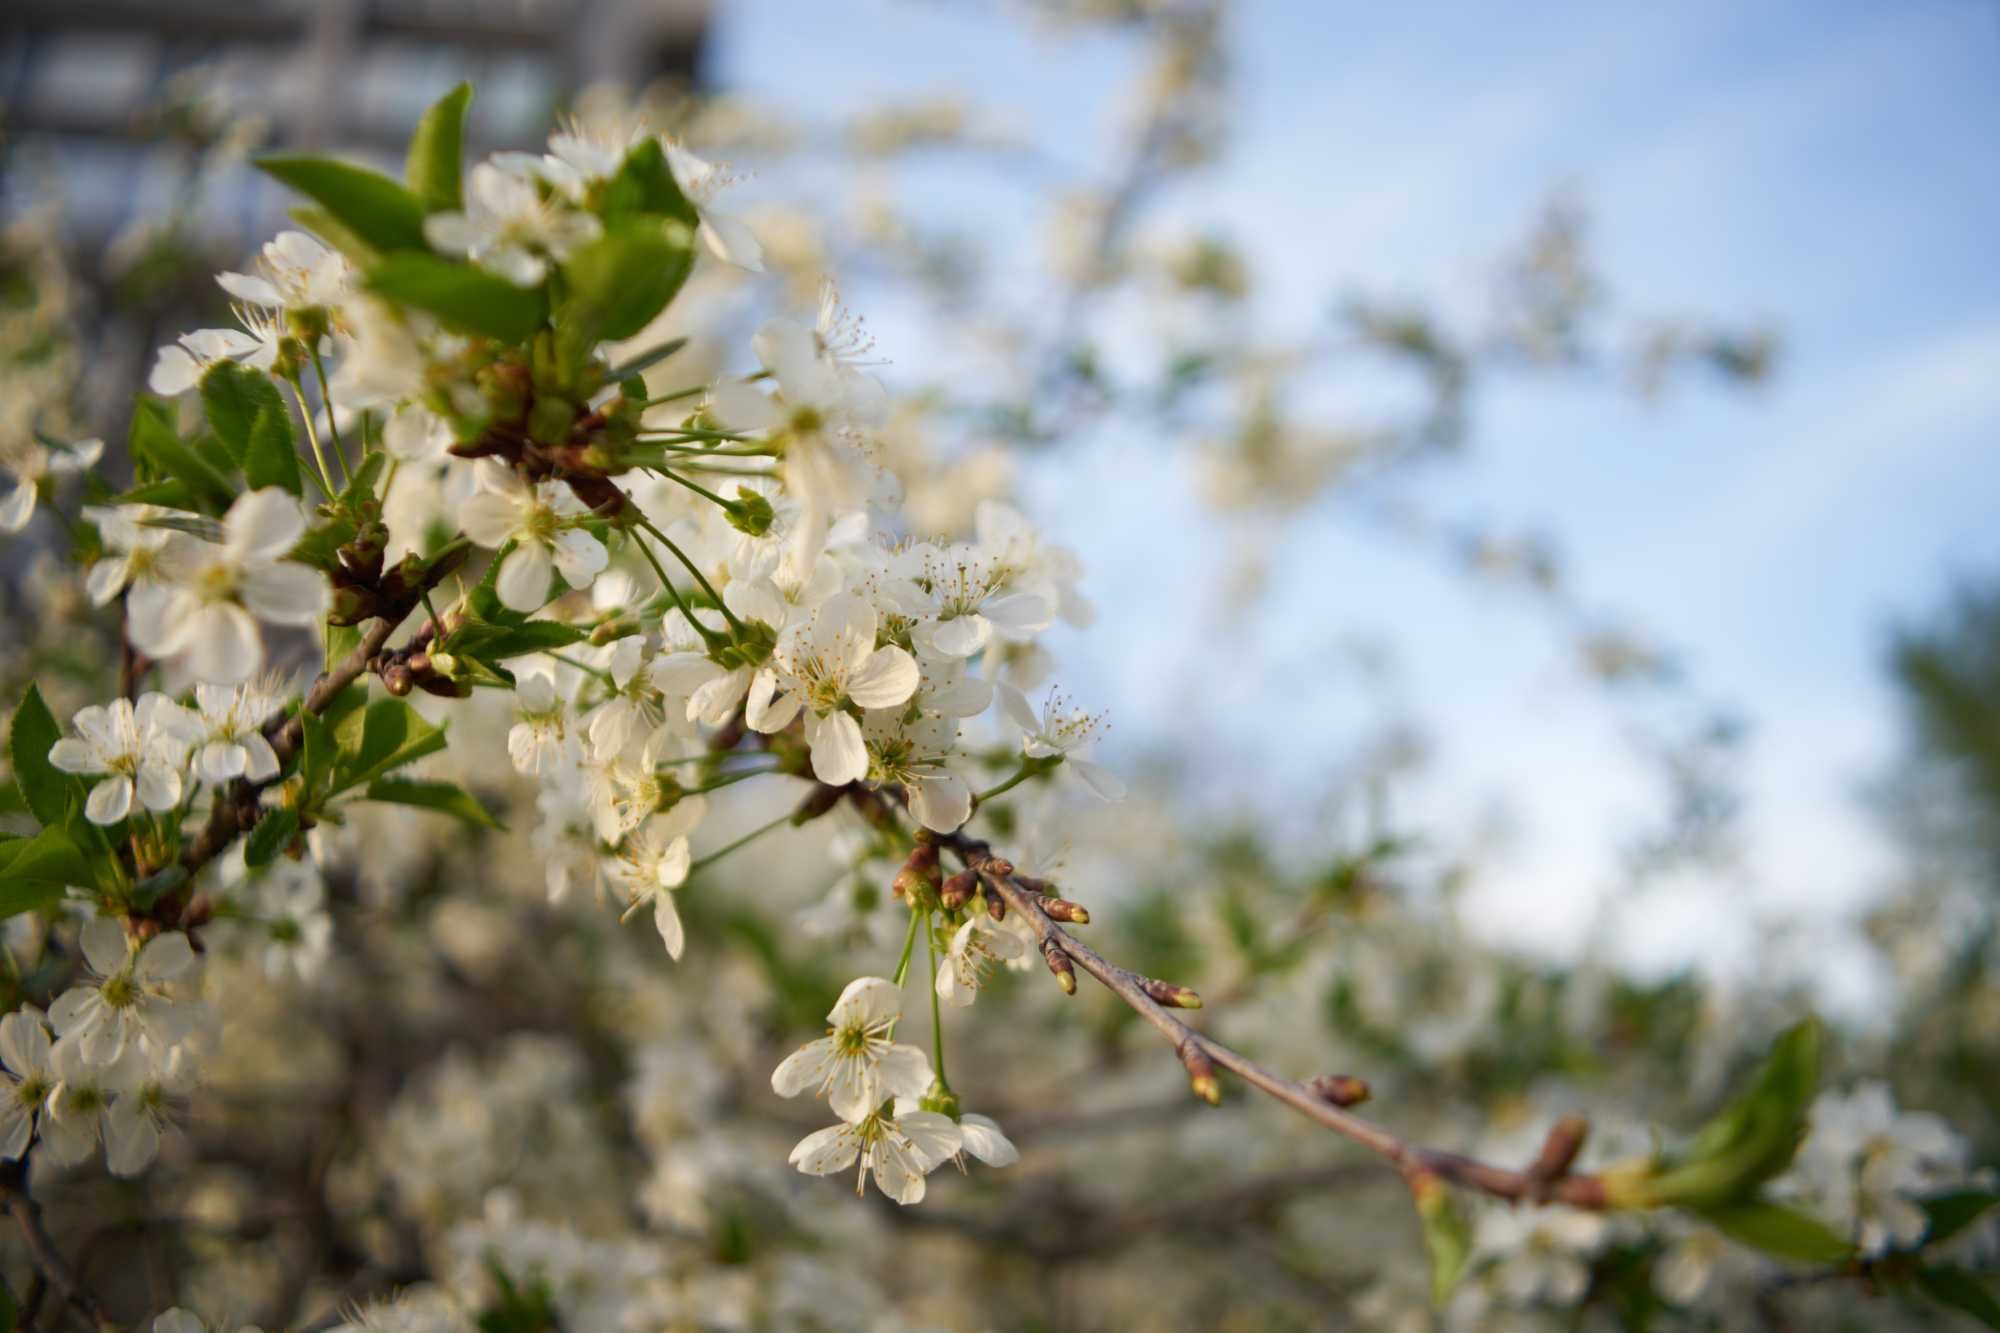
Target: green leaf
[
  {"x": 274, "y": 832},
  {"x": 496, "y": 643},
  {"x": 432, "y": 167},
  {"x": 1752, "y": 1139},
  {"x": 366, "y": 203},
  {"x": 443, "y": 797},
  {"x": 272, "y": 455},
  {"x": 647, "y": 359},
  {"x": 34, "y": 870},
  {"x": 168, "y": 494},
  {"x": 158, "y": 885},
  {"x": 319, "y": 750},
  {"x": 47, "y": 789},
  {"x": 320, "y": 546},
  {"x": 159, "y": 452},
  {"x": 361, "y": 486},
  {"x": 1953, "y": 1212},
  {"x": 621, "y": 280},
  {"x": 645, "y": 184},
  {"x": 234, "y": 396},
  {"x": 384, "y": 736},
  {"x": 1961, "y": 1290},
  {"x": 1780, "y": 1231},
  {"x": 1447, "y": 1236},
  {"x": 342, "y": 238},
  {"x": 468, "y": 299}
]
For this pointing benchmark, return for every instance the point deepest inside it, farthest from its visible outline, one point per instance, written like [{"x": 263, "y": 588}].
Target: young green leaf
[
  {"x": 467, "y": 299},
  {"x": 1962, "y": 1290},
  {"x": 271, "y": 836},
  {"x": 443, "y": 797},
  {"x": 233, "y": 397},
  {"x": 272, "y": 455},
  {"x": 34, "y": 870},
  {"x": 374, "y": 208},
  {"x": 432, "y": 167},
  {"x": 1953, "y": 1212},
  {"x": 384, "y": 736},
  {"x": 47, "y": 789},
  {"x": 645, "y": 184},
  {"x": 158, "y": 452},
  {"x": 1780, "y": 1231},
  {"x": 620, "y": 281}
]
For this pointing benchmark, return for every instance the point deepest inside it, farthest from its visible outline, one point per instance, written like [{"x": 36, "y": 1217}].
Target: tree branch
[
  {"x": 1198, "y": 1051},
  {"x": 49, "y": 1264}
]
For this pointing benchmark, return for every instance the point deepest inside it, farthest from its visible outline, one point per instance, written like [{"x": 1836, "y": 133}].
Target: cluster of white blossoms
[
  {"x": 1868, "y": 1163},
  {"x": 694, "y": 589}
]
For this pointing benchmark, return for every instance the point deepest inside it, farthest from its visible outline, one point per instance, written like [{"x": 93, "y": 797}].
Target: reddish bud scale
[
  {"x": 1000, "y": 866},
  {"x": 996, "y": 903},
  {"x": 958, "y": 889},
  {"x": 1170, "y": 995},
  {"x": 1059, "y": 964},
  {"x": 200, "y": 909},
  {"x": 923, "y": 859},
  {"x": 1061, "y": 909},
  {"x": 1341, "y": 1089}
]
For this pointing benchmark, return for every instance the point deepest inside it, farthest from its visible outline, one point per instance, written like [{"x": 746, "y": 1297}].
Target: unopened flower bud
[
  {"x": 1059, "y": 963},
  {"x": 958, "y": 889},
  {"x": 1559, "y": 1149},
  {"x": 1170, "y": 995},
  {"x": 923, "y": 858},
  {"x": 199, "y": 911},
  {"x": 996, "y": 903},
  {"x": 397, "y": 679},
  {"x": 444, "y": 664},
  {"x": 1061, "y": 909},
  {"x": 1201, "y": 1073},
  {"x": 146, "y": 929},
  {"x": 1341, "y": 1089}
]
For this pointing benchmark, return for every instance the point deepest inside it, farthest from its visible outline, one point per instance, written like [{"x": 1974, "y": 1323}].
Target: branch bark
[
  {"x": 1194, "y": 1047},
  {"x": 49, "y": 1263}
]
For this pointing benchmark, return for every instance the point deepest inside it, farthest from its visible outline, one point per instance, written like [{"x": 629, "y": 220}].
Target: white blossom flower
[
  {"x": 912, "y": 753},
  {"x": 977, "y": 947},
  {"x": 139, "y": 1113},
  {"x": 293, "y": 921},
  {"x": 857, "y": 1065},
  {"x": 1866, "y": 1162},
  {"x": 902, "y": 1148},
  {"x": 132, "y": 551},
  {"x": 813, "y": 418},
  {"x": 129, "y": 1001},
  {"x": 632, "y": 708},
  {"x": 180, "y": 364},
  {"x": 727, "y": 237},
  {"x": 31, "y": 461},
  {"x": 1059, "y": 731},
  {"x": 654, "y": 861},
  {"x": 509, "y": 227},
  {"x": 961, "y": 598},
  {"x": 542, "y": 520},
  {"x": 80, "y": 1102},
  {"x": 29, "y": 1077},
  {"x": 297, "y": 273},
  {"x": 1539, "y": 1254},
  {"x": 539, "y": 739},
  {"x": 141, "y": 751},
  {"x": 822, "y": 666},
  {"x": 983, "y": 1139},
  {"x": 231, "y": 739},
  {"x": 216, "y": 592}
]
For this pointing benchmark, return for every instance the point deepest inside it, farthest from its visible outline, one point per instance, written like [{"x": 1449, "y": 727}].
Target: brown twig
[
  {"x": 48, "y": 1260},
  {"x": 1199, "y": 1050}
]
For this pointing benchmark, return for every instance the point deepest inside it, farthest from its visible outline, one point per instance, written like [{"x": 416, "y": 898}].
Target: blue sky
[{"x": 1825, "y": 166}]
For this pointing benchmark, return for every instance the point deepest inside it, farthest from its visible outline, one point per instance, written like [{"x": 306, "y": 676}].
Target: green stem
[
  {"x": 676, "y": 396},
  {"x": 332, "y": 424},
  {"x": 713, "y": 596},
  {"x": 708, "y": 636},
  {"x": 598, "y": 672},
  {"x": 694, "y": 486},
  {"x": 909, "y": 945},
  {"x": 937, "y": 1016},
  {"x": 1021, "y": 775},
  {"x": 326, "y": 486},
  {"x": 701, "y": 862},
  {"x": 731, "y": 779}
]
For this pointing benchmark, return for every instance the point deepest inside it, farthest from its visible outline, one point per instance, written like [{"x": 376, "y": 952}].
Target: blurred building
[{"x": 133, "y": 117}]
